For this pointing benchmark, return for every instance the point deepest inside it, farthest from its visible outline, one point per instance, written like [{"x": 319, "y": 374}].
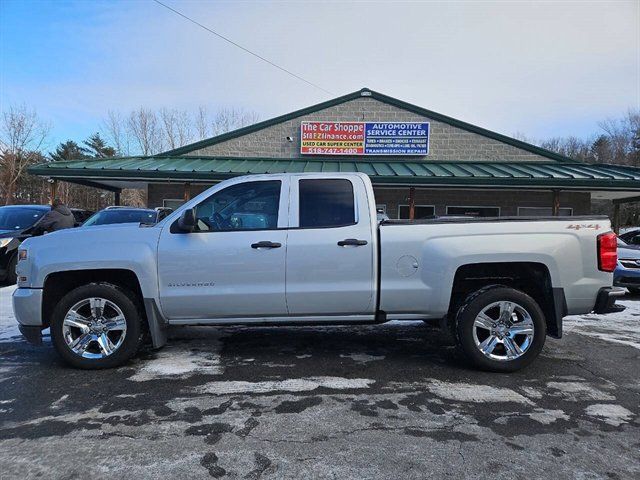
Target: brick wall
[
  {"x": 446, "y": 142},
  {"x": 508, "y": 201}
]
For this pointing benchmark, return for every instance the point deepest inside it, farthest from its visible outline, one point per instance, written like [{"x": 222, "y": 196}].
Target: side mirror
[{"x": 187, "y": 220}]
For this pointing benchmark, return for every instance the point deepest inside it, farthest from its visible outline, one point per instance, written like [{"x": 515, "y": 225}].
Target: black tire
[
  {"x": 127, "y": 303},
  {"x": 470, "y": 309},
  {"x": 634, "y": 290},
  {"x": 12, "y": 277}
]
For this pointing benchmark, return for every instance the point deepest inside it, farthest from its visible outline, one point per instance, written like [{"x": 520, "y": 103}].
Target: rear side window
[{"x": 326, "y": 203}]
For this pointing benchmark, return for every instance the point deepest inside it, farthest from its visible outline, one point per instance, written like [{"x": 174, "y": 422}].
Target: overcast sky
[{"x": 541, "y": 69}]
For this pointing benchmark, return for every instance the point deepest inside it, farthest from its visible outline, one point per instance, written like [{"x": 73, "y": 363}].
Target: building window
[
  {"x": 543, "y": 212},
  {"x": 474, "y": 211},
  {"x": 420, "y": 211},
  {"x": 173, "y": 203}
]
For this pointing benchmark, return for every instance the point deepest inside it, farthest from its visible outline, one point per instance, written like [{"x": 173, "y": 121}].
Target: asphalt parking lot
[{"x": 390, "y": 401}]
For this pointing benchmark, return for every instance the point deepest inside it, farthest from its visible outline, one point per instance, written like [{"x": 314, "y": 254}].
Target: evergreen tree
[
  {"x": 601, "y": 149},
  {"x": 68, "y": 150},
  {"x": 96, "y": 147}
]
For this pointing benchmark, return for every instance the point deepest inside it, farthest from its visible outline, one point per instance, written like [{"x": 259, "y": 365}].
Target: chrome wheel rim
[
  {"x": 503, "y": 331},
  {"x": 94, "y": 328}
]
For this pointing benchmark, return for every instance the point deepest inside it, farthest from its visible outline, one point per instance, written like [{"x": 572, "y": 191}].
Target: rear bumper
[{"x": 606, "y": 300}]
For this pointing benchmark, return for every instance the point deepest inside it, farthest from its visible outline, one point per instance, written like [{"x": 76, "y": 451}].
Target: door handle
[
  {"x": 266, "y": 244},
  {"x": 352, "y": 241}
]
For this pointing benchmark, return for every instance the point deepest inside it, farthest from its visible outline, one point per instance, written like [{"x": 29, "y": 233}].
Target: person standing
[{"x": 58, "y": 218}]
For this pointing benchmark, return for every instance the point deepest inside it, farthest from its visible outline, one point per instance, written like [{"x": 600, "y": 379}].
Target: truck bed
[
  {"x": 439, "y": 220},
  {"x": 419, "y": 259}
]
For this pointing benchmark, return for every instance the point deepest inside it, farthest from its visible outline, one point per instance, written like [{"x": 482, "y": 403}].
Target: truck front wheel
[
  {"x": 96, "y": 326},
  {"x": 500, "y": 329}
]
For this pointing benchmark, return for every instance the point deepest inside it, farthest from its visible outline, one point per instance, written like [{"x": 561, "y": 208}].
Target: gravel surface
[{"x": 388, "y": 401}]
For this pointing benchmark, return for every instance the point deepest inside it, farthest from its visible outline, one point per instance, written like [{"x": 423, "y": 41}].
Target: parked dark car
[
  {"x": 632, "y": 237},
  {"x": 17, "y": 222},
  {"x": 81, "y": 215},
  {"x": 111, "y": 215},
  {"x": 627, "y": 273}
]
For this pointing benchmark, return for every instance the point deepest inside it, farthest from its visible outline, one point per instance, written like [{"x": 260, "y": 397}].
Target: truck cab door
[
  {"x": 233, "y": 264},
  {"x": 330, "y": 249}
]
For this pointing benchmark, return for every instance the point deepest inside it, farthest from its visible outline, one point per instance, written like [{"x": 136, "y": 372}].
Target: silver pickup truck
[{"x": 300, "y": 249}]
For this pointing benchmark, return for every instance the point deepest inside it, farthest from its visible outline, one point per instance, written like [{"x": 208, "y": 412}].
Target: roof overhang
[{"x": 137, "y": 172}]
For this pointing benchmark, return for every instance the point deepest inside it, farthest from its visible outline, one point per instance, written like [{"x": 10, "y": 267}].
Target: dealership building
[{"x": 421, "y": 163}]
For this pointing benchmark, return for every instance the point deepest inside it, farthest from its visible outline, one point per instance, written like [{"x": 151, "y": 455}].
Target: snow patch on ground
[
  {"x": 577, "y": 391},
  {"x": 289, "y": 385},
  {"x": 547, "y": 417},
  {"x": 177, "y": 362},
  {"x": 466, "y": 392},
  {"x": 59, "y": 403},
  {"x": 622, "y": 327},
  {"x": 8, "y": 325},
  {"x": 362, "y": 357},
  {"x": 614, "y": 415}
]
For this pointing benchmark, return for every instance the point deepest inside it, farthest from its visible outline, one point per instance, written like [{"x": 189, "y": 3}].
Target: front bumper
[
  {"x": 606, "y": 300},
  {"x": 27, "y": 307}
]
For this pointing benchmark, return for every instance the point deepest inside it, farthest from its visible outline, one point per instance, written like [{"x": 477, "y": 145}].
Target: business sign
[{"x": 364, "y": 138}]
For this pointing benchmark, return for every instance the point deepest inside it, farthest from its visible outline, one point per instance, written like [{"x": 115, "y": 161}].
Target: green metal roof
[
  {"x": 389, "y": 171},
  {"x": 365, "y": 92}
]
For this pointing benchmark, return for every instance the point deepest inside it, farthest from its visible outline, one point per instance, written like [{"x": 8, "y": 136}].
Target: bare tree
[
  {"x": 146, "y": 131},
  {"x": 201, "y": 123},
  {"x": 114, "y": 127},
  {"x": 227, "y": 119},
  {"x": 622, "y": 136},
  {"x": 176, "y": 127},
  {"x": 22, "y": 136},
  {"x": 572, "y": 147}
]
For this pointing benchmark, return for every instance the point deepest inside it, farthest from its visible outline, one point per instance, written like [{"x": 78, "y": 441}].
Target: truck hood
[
  {"x": 94, "y": 235},
  {"x": 123, "y": 246}
]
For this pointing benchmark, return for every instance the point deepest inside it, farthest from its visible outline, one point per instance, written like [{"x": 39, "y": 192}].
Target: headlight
[
  {"x": 22, "y": 254},
  {"x": 5, "y": 241}
]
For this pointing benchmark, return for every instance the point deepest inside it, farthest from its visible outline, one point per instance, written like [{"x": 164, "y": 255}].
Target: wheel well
[
  {"x": 58, "y": 284},
  {"x": 532, "y": 278}
]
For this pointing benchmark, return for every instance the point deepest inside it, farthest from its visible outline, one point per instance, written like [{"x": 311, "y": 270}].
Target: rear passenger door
[{"x": 330, "y": 253}]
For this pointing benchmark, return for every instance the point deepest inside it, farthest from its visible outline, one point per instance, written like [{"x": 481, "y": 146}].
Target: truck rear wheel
[
  {"x": 500, "y": 329},
  {"x": 96, "y": 326}
]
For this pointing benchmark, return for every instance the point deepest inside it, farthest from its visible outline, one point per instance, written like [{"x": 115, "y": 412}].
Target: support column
[
  {"x": 53, "y": 190},
  {"x": 616, "y": 218},
  {"x": 187, "y": 192},
  {"x": 116, "y": 197},
  {"x": 555, "y": 205},
  {"x": 412, "y": 203}
]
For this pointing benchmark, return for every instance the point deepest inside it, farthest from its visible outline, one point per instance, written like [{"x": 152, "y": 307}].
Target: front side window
[
  {"x": 245, "y": 206},
  {"x": 326, "y": 203}
]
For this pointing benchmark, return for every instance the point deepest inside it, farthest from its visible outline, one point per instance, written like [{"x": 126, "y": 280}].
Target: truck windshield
[
  {"x": 124, "y": 215},
  {"x": 19, "y": 218}
]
